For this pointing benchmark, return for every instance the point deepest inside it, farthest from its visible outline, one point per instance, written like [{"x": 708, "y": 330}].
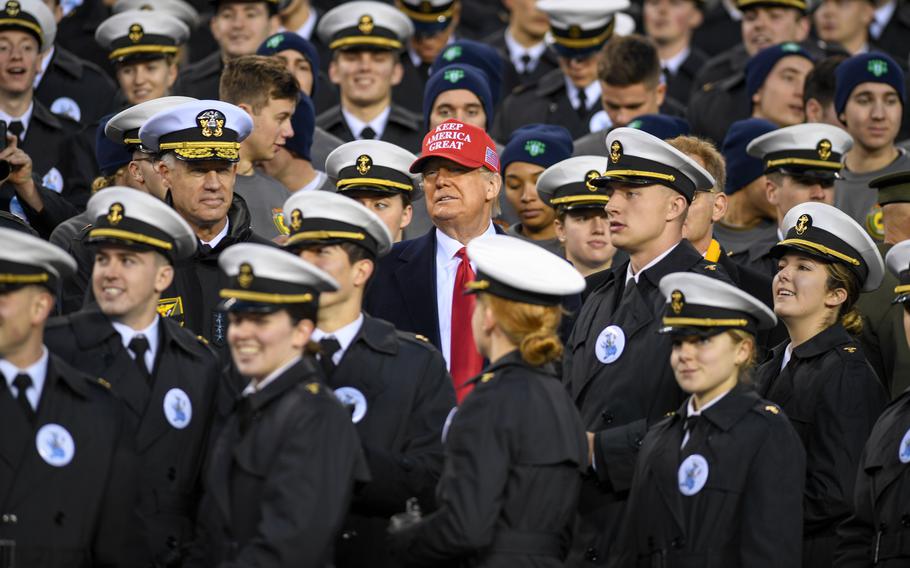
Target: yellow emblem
[
  {"x": 615, "y": 151},
  {"x": 12, "y": 8},
  {"x": 590, "y": 177},
  {"x": 366, "y": 24},
  {"x": 486, "y": 377},
  {"x": 803, "y": 224},
  {"x": 364, "y": 164},
  {"x": 313, "y": 388},
  {"x": 421, "y": 338},
  {"x": 171, "y": 308},
  {"x": 426, "y": 6},
  {"x": 677, "y": 301},
  {"x": 711, "y": 267},
  {"x": 824, "y": 149},
  {"x": 850, "y": 349},
  {"x": 575, "y": 32},
  {"x": 104, "y": 383},
  {"x": 136, "y": 33},
  {"x": 202, "y": 340},
  {"x": 772, "y": 409},
  {"x": 245, "y": 275},
  {"x": 115, "y": 213},
  {"x": 296, "y": 219},
  {"x": 212, "y": 123}
]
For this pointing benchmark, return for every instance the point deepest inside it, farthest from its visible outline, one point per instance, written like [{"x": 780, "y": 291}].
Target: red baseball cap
[{"x": 462, "y": 143}]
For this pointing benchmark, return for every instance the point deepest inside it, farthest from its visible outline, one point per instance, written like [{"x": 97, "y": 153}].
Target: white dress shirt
[
  {"x": 446, "y": 269},
  {"x": 25, "y": 119},
  {"x": 378, "y": 124},
  {"x": 881, "y": 18},
  {"x": 344, "y": 335},
  {"x": 218, "y": 238},
  {"x": 517, "y": 52},
  {"x": 253, "y": 387},
  {"x": 151, "y": 334},
  {"x": 636, "y": 275},
  {"x": 37, "y": 371},
  {"x": 45, "y": 63},
  {"x": 788, "y": 354},
  {"x": 690, "y": 411},
  {"x": 674, "y": 63},
  {"x": 592, "y": 94}
]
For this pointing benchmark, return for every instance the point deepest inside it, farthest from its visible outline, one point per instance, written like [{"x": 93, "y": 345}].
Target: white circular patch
[
  {"x": 178, "y": 409},
  {"x": 610, "y": 344},
  {"x": 55, "y": 445},
  {"x": 353, "y": 400},
  {"x": 445, "y": 427},
  {"x": 903, "y": 452},
  {"x": 53, "y": 179},
  {"x": 67, "y": 107},
  {"x": 692, "y": 474}
]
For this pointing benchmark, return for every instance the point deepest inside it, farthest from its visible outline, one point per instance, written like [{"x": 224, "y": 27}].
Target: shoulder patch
[
  {"x": 103, "y": 383},
  {"x": 421, "y": 338},
  {"x": 312, "y": 387},
  {"x": 772, "y": 408},
  {"x": 711, "y": 267},
  {"x": 202, "y": 340},
  {"x": 850, "y": 349},
  {"x": 487, "y": 377}
]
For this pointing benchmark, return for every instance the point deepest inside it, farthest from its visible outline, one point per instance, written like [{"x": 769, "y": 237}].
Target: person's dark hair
[
  {"x": 839, "y": 276},
  {"x": 256, "y": 79},
  {"x": 821, "y": 82},
  {"x": 629, "y": 60}
]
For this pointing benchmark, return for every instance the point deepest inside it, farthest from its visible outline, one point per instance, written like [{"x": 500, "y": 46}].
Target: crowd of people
[{"x": 301, "y": 283}]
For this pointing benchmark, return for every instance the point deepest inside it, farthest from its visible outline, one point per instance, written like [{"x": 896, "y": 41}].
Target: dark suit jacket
[
  {"x": 83, "y": 82},
  {"x": 718, "y": 32},
  {"x": 201, "y": 78},
  {"x": 409, "y": 92},
  {"x": 679, "y": 86},
  {"x": 511, "y": 78},
  {"x": 894, "y": 37},
  {"x": 404, "y": 128}
]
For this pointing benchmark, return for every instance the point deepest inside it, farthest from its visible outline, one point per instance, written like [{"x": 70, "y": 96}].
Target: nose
[
  {"x": 211, "y": 181},
  {"x": 309, "y": 256},
  {"x": 685, "y": 351},
  {"x": 816, "y": 192},
  {"x": 287, "y": 131},
  {"x": 528, "y": 193},
  {"x": 599, "y": 226}
]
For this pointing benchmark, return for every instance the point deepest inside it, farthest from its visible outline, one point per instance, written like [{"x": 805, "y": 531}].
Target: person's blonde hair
[
  {"x": 839, "y": 276},
  {"x": 102, "y": 182},
  {"x": 707, "y": 153},
  {"x": 745, "y": 371},
  {"x": 531, "y": 327}
]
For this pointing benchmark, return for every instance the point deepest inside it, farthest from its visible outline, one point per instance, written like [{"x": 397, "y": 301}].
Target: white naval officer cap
[
  {"x": 701, "y": 305},
  {"x": 180, "y": 9},
  {"x": 580, "y": 27},
  {"x": 323, "y": 218},
  {"x": 30, "y": 16},
  {"x": 26, "y": 259},
  {"x": 636, "y": 157},
  {"x": 812, "y": 148},
  {"x": 898, "y": 261},
  {"x": 365, "y": 25},
  {"x": 123, "y": 127},
  {"x": 518, "y": 270},
  {"x": 374, "y": 166},
  {"x": 130, "y": 218},
  {"x": 567, "y": 185},
  {"x": 198, "y": 130},
  {"x": 137, "y": 35},
  {"x": 827, "y": 233}
]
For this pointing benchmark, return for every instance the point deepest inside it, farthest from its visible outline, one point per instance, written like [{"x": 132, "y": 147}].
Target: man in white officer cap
[
  {"x": 395, "y": 383},
  {"x": 377, "y": 174},
  {"x": 802, "y": 163},
  {"x": 165, "y": 374},
  {"x": 67, "y": 477},
  {"x": 199, "y": 146},
  {"x": 143, "y": 45},
  {"x": 613, "y": 353}
]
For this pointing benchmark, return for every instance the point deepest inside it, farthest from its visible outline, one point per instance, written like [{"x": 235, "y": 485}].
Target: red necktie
[{"x": 466, "y": 362}]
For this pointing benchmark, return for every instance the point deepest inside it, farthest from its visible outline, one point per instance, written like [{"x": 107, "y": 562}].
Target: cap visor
[{"x": 417, "y": 166}]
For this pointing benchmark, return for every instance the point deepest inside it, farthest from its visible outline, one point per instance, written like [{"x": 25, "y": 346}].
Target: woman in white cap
[
  {"x": 515, "y": 448},
  {"x": 718, "y": 482},
  {"x": 820, "y": 377},
  {"x": 877, "y": 533}
]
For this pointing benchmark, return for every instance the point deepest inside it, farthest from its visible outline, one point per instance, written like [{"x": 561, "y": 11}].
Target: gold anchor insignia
[
  {"x": 850, "y": 349},
  {"x": 313, "y": 388},
  {"x": 12, "y": 8},
  {"x": 803, "y": 223},
  {"x": 824, "y": 149},
  {"x": 245, "y": 276},
  {"x": 589, "y": 177},
  {"x": 615, "y": 151},
  {"x": 212, "y": 123},
  {"x": 677, "y": 301},
  {"x": 364, "y": 163},
  {"x": 426, "y": 6},
  {"x": 772, "y": 409},
  {"x": 296, "y": 219},
  {"x": 115, "y": 213},
  {"x": 575, "y": 31},
  {"x": 486, "y": 377},
  {"x": 136, "y": 33},
  {"x": 366, "y": 24}
]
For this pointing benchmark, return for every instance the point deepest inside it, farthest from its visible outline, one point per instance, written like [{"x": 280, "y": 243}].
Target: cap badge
[
  {"x": 877, "y": 67},
  {"x": 147, "y": 7},
  {"x": 452, "y": 53},
  {"x": 615, "y": 151},
  {"x": 590, "y": 177},
  {"x": 803, "y": 224},
  {"x": 454, "y": 75},
  {"x": 677, "y": 301},
  {"x": 274, "y": 41},
  {"x": 824, "y": 149},
  {"x": 115, "y": 213},
  {"x": 535, "y": 148},
  {"x": 12, "y": 8},
  {"x": 575, "y": 31},
  {"x": 136, "y": 33},
  {"x": 636, "y": 124},
  {"x": 212, "y": 123},
  {"x": 296, "y": 220},
  {"x": 366, "y": 24},
  {"x": 789, "y": 47},
  {"x": 426, "y": 6},
  {"x": 364, "y": 164},
  {"x": 245, "y": 276}
]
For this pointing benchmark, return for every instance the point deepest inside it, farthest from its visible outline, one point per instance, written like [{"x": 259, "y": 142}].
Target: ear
[
  {"x": 720, "y": 207},
  {"x": 660, "y": 93},
  {"x": 41, "y": 306},
  {"x": 213, "y": 27},
  {"x": 333, "y": 72},
  {"x": 842, "y": 117},
  {"x": 834, "y": 298},
  {"x": 697, "y": 18},
  {"x": 274, "y": 24},
  {"x": 406, "y": 215},
  {"x": 560, "y": 230},
  {"x": 363, "y": 269},
  {"x": 756, "y": 98},
  {"x": 771, "y": 191},
  {"x": 247, "y": 108},
  {"x": 744, "y": 351},
  {"x": 164, "y": 278},
  {"x": 494, "y": 187},
  {"x": 165, "y": 173},
  {"x": 676, "y": 207},
  {"x": 813, "y": 110},
  {"x": 397, "y": 73},
  {"x": 134, "y": 170},
  {"x": 300, "y": 334},
  {"x": 172, "y": 71}
]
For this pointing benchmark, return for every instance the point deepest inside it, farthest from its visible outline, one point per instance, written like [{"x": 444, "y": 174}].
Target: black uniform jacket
[
  {"x": 202, "y": 78},
  {"x": 513, "y": 454},
  {"x": 171, "y": 458},
  {"x": 408, "y": 395},
  {"x": 749, "y": 512},
  {"x": 894, "y": 36},
  {"x": 78, "y": 515},
  {"x": 832, "y": 396},
  {"x": 84, "y": 83},
  {"x": 718, "y": 32},
  {"x": 408, "y": 94},
  {"x": 618, "y": 400},
  {"x": 878, "y": 533},
  {"x": 280, "y": 477},
  {"x": 511, "y": 78},
  {"x": 680, "y": 85},
  {"x": 404, "y": 128}
]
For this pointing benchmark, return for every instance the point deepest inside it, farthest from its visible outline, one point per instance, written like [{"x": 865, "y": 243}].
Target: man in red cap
[{"x": 418, "y": 286}]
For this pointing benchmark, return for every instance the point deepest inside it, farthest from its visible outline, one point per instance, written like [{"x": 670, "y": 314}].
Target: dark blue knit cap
[
  {"x": 109, "y": 155},
  {"x": 661, "y": 125},
  {"x": 540, "y": 144},
  {"x": 304, "y": 123},
  {"x": 743, "y": 169},
  {"x": 761, "y": 64},
  {"x": 454, "y": 77},
  {"x": 480, "y": 55},
  {"x": 283, "y": 41},
  {"x": 866, "y": 68}
]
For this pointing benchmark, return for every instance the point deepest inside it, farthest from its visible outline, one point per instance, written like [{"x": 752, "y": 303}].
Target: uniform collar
[
  {"x": 127, "y": 334},
  {"x": 216, "y": 240},
  {"x": 254, "y": 388},
  {"x": 45, "y": 63},
  {"x": 25, "y": 119},
  {"x": 345, "y": 335},
  {"x": 518, "y": 51},
  {"x": 636, "y": 276},
  {"x": 725, "y": 410},
  {"x": 378, "y": 124},
  {"x": 674, "y": 63},
  {"x": 831, "y": 337},
  {"x": 446, "y": 246},
  {"x": 37, "y": 371}
]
